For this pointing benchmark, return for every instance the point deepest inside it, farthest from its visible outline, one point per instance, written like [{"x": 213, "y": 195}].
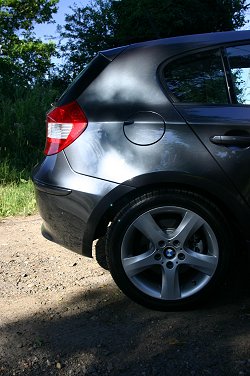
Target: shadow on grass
[{"x": 101, "y": 332}]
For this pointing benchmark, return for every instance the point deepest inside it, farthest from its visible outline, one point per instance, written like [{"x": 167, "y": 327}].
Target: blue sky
[
  {"x": 247, "y": 17},
  {"x": 45, "y": 30}
]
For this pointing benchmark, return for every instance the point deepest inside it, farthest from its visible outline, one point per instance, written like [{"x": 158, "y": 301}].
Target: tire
[{"x": 168, "y": 249}]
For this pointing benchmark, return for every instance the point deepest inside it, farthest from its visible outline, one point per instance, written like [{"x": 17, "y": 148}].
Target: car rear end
[{"x": 65, "y": 198}]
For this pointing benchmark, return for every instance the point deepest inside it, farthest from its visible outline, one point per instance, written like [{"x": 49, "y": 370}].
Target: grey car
[{"x": 149, "y": 148}]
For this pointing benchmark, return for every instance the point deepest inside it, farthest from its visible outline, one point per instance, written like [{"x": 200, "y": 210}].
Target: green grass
[
  {"x": 16, "y": 192},
  {"x": 10, "y": 174},
  {"x": 17, "y": 199}
]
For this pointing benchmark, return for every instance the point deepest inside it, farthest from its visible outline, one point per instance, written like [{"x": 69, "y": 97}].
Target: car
[{"x": 149, "y": 148}]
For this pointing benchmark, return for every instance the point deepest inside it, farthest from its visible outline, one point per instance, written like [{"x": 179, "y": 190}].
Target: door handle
[{"x": 243, "y": 141}]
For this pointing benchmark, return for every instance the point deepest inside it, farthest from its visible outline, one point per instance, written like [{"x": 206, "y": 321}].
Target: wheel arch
[{"x": 107, "y": 209}]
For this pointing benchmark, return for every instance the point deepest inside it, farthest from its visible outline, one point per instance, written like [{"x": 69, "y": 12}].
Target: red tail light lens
[{"x": 64, "y": 125}]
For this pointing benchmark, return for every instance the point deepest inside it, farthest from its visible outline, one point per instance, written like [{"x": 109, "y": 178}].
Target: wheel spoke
[
  {"x": 149, "y": 228},
  {"x": 170, "y": 284},
  {"x": 136, "y": 264},
  {"x": 204, "y": 263},
  {"x": 190, "y": 223}
]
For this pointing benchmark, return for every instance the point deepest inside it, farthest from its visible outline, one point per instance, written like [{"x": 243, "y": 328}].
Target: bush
[{"x": 22, "y": 127}]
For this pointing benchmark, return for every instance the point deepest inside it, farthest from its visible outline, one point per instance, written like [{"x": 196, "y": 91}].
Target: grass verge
[
  {"x": 17, "y": 199},
  {"x": 17, "y": 195}
]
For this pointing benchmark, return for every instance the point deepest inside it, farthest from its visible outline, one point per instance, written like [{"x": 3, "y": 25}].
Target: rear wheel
[{"x": 168, "y": 249}]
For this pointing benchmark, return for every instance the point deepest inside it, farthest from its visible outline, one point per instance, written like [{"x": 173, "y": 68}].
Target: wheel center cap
[{"x": 169, "y": 253}]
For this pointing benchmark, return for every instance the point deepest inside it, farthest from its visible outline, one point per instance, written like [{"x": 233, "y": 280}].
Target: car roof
[{"x": 185, "y": 43}]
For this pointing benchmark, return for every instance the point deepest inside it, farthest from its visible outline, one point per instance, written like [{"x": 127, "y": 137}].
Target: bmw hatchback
[{"x": 149, "y": 147}]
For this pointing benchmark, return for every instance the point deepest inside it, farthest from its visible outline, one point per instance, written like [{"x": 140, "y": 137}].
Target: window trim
[{"x": 228, "y": 77}]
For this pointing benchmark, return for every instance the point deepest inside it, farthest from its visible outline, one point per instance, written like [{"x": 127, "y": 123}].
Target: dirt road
[{"x": 61, "y": 314}]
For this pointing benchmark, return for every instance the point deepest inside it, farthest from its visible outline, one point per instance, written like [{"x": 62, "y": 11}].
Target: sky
[{"x": 44, "y": 31}]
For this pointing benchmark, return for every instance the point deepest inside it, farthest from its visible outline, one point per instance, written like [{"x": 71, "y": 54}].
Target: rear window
[{"x": 197, "y": 78}]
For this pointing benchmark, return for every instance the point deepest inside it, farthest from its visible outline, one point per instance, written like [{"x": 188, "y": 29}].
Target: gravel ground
[{"x": 61, "y": 314}]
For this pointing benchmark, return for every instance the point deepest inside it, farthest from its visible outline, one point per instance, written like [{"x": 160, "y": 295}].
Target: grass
[
  {"x": 17, "y": 199},
  {"x": 16, "y": 192}
]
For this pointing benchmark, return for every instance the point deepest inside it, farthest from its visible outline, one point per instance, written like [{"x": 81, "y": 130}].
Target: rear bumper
[
  {"x": 71, "y": 204},
  {"x": 63, "y": 222}
]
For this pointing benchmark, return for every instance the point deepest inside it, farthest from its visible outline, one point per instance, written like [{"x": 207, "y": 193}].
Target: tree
[
  {"x": 87, "y": 30},
  {"x": 109, "y": 23},
  {"x": 146, "y": 19},
  {"x": 23, "y": 57}
]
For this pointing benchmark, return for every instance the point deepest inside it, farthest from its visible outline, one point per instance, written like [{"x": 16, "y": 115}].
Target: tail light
[{"x": 64, "y": 125}]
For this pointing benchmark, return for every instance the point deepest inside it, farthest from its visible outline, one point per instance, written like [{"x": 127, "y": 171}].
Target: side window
[
  {"x": 239, "y": 61},
  {"x": 197, "y": 78}
]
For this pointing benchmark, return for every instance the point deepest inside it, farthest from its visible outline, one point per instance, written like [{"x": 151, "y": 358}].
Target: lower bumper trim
[{"x": 52, "y": 190}]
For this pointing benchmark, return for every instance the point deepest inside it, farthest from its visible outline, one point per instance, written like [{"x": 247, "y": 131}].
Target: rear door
[{"x": 211, "y": 90}]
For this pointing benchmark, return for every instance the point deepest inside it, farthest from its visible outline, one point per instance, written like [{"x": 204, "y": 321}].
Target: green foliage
[
  {"x": 9, "y": 174},
  {"x": 22, "y": 14},
  {"x": 25, "y": 96},
  {"x": 23, "y": 57},
  {"x": 22, "y": 125},
  {"x": 146, "y": 19},
  {"x": 22, "y": 129}
]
